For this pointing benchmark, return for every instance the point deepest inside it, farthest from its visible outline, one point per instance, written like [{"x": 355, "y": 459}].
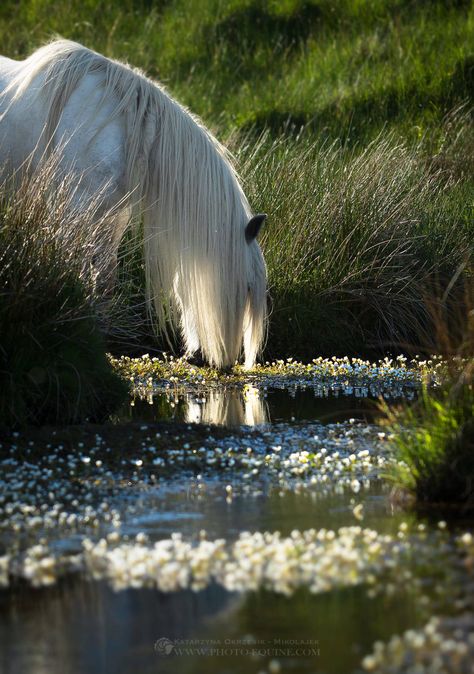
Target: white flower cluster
[
  {"x": 443, "y": 646},
  {"x": 339, "y": 376},
  {"x": 318, "y": 559}
]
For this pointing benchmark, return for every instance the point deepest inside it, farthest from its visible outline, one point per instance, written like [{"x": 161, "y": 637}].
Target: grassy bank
[
  {"x": 53, "y": 364},
  {"x": 352, "y": 127},
  {"x": 356, "y": 236},
  {"x": 435, "y": 447}
]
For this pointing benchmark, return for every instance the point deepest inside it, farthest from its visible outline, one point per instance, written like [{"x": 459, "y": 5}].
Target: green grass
[
  {"x": 53, "y": 364},
  {"x": 353, "y": 236},
  {"x": 341, "y": 117},
  {"x": 434, "y": 438},
  {"x": 434, "y": 441},
  {"x": 346, "y": 67}
]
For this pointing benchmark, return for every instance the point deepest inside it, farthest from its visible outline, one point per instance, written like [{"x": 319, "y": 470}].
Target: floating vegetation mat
[
  {"x": 350, "y": 376},
  {"x": 321, "y": 560},
  {"x": 175, "y": 389}
]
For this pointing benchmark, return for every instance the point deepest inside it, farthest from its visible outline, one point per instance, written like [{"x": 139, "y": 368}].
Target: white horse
[{"x": 122, "y": 135}]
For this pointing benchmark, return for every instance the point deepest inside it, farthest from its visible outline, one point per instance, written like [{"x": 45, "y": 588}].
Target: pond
[{"x": 223, "y": 529}]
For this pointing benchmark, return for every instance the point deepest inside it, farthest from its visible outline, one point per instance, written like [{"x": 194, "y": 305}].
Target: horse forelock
[{"x": 200, "y": 270}]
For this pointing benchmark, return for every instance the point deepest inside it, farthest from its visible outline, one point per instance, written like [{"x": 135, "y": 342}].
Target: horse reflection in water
[{"x": 228, "y": 408}]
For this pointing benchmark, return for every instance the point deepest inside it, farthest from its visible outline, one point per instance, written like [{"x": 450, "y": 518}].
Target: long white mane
[{"x": 202, "y": 274}]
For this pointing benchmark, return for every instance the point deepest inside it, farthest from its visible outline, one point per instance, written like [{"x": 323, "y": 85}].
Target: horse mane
[{"x": 199, "y": 268}]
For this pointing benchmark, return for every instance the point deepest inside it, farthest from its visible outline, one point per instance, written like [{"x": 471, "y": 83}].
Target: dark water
[
  {"x": 174, "y": 508},
  {"x": 79, "y": 626},
  {"x": 232, "y": 408},
  {"x": 86, "y": 627}
]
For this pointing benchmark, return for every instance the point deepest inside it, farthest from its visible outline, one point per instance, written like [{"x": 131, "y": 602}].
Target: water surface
[{"x": 157, "y": 480}]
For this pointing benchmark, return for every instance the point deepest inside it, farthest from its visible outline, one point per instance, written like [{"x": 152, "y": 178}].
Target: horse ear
[{"x": 253, "y": 226}]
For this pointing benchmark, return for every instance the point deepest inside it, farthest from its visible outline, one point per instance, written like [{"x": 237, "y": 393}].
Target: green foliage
[
  {"x": 347, "y": 68},
  {"x": 434, "y": 440},
  {"x": 342, "y": 137},
  {"x": 53, "y": 365},
  {"x": 354, "y": 234}
]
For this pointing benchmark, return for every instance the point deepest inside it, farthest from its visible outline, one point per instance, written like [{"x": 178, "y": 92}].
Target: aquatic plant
[
  {"x": 53, "y": 364},
  {"x": 146, "y": 369},
  {"x": 321, "y": 560},
  {"x": 442, "y": 646}
]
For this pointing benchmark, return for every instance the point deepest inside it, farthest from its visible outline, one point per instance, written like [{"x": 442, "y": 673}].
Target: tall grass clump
[
  {"x": 434, "y": 438},
  {"x": 353, "y": 234},
  {"x": 53, "y": 363}
]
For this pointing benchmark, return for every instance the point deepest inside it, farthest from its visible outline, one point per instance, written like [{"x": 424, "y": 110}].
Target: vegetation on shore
[
  {"x": 434, "y": 438},
  {"x": 352, "y": 127},
  {"x": 53, "y": 365},
  {"x": 357, "y": 235}
]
